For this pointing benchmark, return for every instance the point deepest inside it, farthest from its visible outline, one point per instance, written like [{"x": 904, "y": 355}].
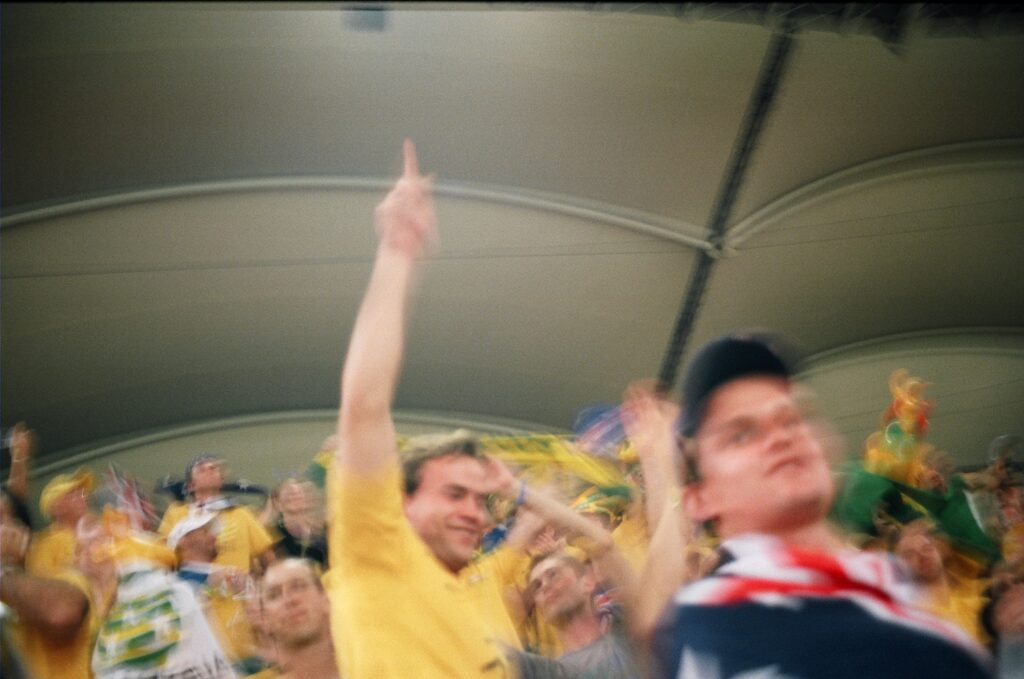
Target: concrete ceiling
[{"x": 187, "y": 196}]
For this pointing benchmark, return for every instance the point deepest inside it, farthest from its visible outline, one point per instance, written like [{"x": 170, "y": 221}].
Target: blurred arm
[
  {"x": 53, "y": 606},
  {"x": 405, "y": 223},
  {"x": 23, "y": 445},
  {"x": 650, "y": 423}
]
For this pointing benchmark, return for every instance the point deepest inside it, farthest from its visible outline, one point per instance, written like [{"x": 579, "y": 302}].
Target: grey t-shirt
[{"x": 608, "y": 657}]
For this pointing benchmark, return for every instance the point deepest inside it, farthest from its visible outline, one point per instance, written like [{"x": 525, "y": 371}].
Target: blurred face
[
  {"x": 206, "y": 477},
  {"x": 71, "y": 506},
  {"x": 295, "y": 609},
  {"x": 448, "y": 510},
  {"x": 763, "y": 468},
  {"x": 293, "y": 498},
  {"x": 559, "y": 591},
  {"x": 922, "y": 555}
]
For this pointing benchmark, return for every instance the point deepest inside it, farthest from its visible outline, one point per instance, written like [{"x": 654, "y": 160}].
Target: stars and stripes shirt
[{"x": 771, "y": 610}]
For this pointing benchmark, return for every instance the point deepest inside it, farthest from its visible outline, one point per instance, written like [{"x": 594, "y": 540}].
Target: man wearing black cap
[{"x": 788, "y": 598}]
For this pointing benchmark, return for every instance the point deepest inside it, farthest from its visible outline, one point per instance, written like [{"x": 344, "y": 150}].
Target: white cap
[{"x": 191, "y": 522}]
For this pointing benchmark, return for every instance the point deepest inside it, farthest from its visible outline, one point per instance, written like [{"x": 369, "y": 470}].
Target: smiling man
[
  {"x": 405, "y": 599},
  {"x": 788, "y": 598}
]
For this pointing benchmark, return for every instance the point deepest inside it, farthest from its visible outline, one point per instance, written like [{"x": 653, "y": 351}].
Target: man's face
[
  {"x": 448, "y": 510},
  {"x": 206, "y": 477},
  {"x": 293, "y": 498},
  {"x": 296, "y": 611},
  {"x": 559, "y": 590},
  {"x": 922, "y": 555},
  {"x": 71, "y": 506},
  {"x": 762, "y": 466}
]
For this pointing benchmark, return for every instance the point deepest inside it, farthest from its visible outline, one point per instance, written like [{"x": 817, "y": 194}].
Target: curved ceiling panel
[
  {"x": 580, "y": 154},
  {"x": 918, "y": 242},
  {"x": 159, "y": 312}
]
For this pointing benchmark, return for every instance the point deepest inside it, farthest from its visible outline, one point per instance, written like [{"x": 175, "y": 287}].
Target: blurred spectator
[
  {"x": 296, "y": 613},
  {"x": 788, "y": 598},
  {"x": 64, "y": 500},
  {"x": 154, "y": 627},
  {"x": 242, "y": 541},
  {"x": 928, "y": 559},
  {"x": 52, "y": 626},
  {"x": 1003, "y": 619},
  {"x": 298, "y": 524},
  {"x": 21, "y": 442},
  {"x": 594, "y": 641},
  {"x": 222, "y": 591}
]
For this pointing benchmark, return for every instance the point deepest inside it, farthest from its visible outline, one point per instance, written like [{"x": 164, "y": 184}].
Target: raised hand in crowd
[
  {"x": 23, "y": 447},
  {"x": 650, "y": 421}
]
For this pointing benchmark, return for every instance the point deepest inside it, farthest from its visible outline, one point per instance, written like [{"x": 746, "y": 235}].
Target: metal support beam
[{"x": 757, "y": 111}]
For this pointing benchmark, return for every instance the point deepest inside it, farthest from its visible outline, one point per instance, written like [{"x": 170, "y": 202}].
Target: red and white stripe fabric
[{"x": 766, "y": 571}]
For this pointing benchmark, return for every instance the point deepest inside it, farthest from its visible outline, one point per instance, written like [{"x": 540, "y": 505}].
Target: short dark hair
[
  {"x": 559, "y": 555},
  {"x": 308, "y": 564},
  {"x": 422, "y": 450}
]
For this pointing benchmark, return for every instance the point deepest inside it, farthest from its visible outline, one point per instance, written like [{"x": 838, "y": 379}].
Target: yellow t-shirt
[
  {"x": 241, "y": 538},
  {"x": 48, "y": 659},
  {"x": 961, "y": 605},
  {"x": 631, "y": 538},
  {"x": 488, "y": 580},
  {"x": 229, "y": 622},
  {"x": 51, "y": 552},
  {"x": 395, "y": 610}
]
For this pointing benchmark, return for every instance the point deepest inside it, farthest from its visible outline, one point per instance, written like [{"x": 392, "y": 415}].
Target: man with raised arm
[
  {"x": 399, "y": 608},
  {"x": 788, "y": 598},
  {"x": 403, "y": 602}
]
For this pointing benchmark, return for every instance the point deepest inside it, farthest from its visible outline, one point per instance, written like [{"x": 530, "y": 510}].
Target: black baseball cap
[{"x": 723, "y": 360}]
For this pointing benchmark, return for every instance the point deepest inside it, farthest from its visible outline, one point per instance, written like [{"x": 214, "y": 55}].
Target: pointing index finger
[{"x": 411, "y": 166}]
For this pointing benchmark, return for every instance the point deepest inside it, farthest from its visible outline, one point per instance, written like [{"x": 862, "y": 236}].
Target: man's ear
[{"x": 696, "y": 504}]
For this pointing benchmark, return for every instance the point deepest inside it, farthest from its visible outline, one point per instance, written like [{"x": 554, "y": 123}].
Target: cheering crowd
[{"x": 434, "y": 557}]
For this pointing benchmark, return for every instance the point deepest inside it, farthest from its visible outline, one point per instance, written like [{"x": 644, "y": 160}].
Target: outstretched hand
[
  {"x": 649, "y": 420},
  {"x": 405, "y": 220},
  {"x": 14, "y": 539},
  {"x": 500, "y": 479},
  {"x": 23, "y": 442}
]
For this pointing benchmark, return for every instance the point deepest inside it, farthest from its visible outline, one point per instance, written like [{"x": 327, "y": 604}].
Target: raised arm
[
  {"x": 23, "y": 445},
  {"x": 649, "y": 422},
  {"x": 405, "y": 225},
  {"x": 54, "y": 606},
  {"x": 599, "y": 544}
]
